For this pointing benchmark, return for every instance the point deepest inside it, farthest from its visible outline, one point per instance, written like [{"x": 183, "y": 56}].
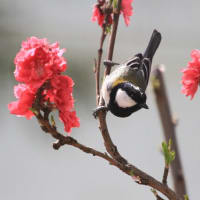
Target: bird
[{"x": 123, "y": 90}]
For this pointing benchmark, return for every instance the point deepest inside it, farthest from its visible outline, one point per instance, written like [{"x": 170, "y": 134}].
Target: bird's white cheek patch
[{"x": 123, "y": 100}]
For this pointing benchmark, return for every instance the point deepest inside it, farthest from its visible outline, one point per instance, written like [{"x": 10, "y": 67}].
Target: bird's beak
[{"x": 144, "y": 105}]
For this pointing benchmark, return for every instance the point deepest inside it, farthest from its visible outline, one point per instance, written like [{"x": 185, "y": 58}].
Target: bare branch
[
  {"x": 165, "y": 175},
  {"x": 169, "y": 129},
  {"x": 117, "y": 159},
  {"x": 127, "y": 168},
  {"x": 110, "y": 147},
  {"x": 98, "y": 65},
  {"x": 113, "y": 36},
  {"x": 156, "y": 195}
]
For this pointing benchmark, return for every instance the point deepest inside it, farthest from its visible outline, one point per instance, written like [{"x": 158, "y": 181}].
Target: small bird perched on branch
[{"x": 124, "y": 89}]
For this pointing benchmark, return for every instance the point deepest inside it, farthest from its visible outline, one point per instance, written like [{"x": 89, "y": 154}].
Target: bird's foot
[
  {"x": 109, "y": 63},
  {"x": 99, "y": 109}
]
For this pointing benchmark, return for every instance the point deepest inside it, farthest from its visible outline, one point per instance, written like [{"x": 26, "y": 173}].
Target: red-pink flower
[
  {"x": 38, "y": 61},
  {"x": 127, "y": 10},
  {"x": 22, "y": 106},
  {"x": 69, "y": 119},
  {"x": 60, "y": 93},
  {"x": 97, "y": 15},
  {"x": 191, "y": 75}
]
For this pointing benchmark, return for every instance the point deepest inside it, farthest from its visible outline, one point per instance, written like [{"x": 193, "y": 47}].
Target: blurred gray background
[{"x": 30, "y": 169}]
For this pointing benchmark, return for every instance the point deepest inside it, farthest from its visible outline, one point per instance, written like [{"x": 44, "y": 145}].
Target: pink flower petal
[
  {"x": 191, "y": 75},
  {"x": 37, "y": 61},
  {"x": 127, "y": 10},
  {"x": 22, "y": 106}
]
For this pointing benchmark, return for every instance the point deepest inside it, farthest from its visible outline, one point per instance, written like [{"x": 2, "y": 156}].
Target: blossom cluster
[
  {"x": 191, "y": 75},
  {"x": 99, "y": 14},
  {"x": 38, "y": 62}
]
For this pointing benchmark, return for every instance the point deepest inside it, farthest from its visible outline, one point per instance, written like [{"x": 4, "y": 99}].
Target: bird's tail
[{"x": 153, "y": 45}]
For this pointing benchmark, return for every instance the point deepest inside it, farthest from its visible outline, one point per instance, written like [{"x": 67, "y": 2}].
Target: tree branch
[
  {"x": 169, "y": 129},
  {"x": 156, "y": 195},
  {"x": 113, "y": 36},
  {"x": 127, "y": 168},
  {"x": 144, "y": 179},
  {"x": 123, "y": 165},
  {"x": 98, "y": 64},
  {"x": 165, "y": 175},
  {"x": 110, "y": 147},
  {"x": 51, "y": 129}
]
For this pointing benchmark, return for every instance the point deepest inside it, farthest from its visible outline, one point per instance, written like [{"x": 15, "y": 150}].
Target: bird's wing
[
  {"x": 137, "y": 71},
  {"x": 134, "y": 62},
  {"x": 145, "y": 69}
]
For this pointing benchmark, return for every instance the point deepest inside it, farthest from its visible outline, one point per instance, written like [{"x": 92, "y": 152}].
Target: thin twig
[
  {"x": 169, "y": 130},
  {"x": 98, "y": 65},
  {"x": 165, "y": 175},
  {"x": 156, "y": 195},
  {"x": 113, "y": 36}
]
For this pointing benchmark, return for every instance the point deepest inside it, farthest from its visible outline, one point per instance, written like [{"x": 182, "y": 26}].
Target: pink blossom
[
  {"x": 127, "y": 10},
  {"x": 60, "y": 94},
  {"x": 191, "y": 75},
  {"x": 37, "y": 61},
  {"x": 97, "y": 15},
  {"x": 69, "y": 119},
  {"x": 22, "y": 106}
]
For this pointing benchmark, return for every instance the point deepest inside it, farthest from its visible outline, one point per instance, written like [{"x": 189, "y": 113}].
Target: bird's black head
[{"x": 125, "y": 98}]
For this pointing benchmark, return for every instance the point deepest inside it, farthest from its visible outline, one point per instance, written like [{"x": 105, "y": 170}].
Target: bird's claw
[
  {"x": 109, "y": 63},
  {"x": 99, "y": 109}
]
